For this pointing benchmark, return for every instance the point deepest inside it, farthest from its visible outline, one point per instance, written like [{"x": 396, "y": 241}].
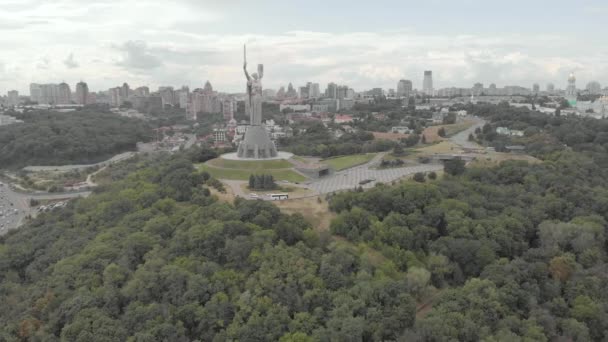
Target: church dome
[{"x": 571, "y": 78}]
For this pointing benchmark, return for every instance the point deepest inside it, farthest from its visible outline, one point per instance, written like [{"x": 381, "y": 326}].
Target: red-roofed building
[{"x": 340, "y": 119}]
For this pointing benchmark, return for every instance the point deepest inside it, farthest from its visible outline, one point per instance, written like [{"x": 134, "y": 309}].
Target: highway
[{"x": 14, "y": 208}]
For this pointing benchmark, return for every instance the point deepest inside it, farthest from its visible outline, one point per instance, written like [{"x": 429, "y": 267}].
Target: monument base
[{"x": 257, "y": 144}]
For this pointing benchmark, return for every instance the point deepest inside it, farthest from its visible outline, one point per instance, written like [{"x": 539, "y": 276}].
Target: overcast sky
[{"x": 362, "y": 44}]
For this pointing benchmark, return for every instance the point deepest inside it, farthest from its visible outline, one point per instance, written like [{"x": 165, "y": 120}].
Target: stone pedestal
[{"x": 257, "y": 144}]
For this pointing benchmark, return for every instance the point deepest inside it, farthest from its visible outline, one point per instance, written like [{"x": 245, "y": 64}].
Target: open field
[
  {"x": 243, "y": 174},
  {"x": 445, "y": 146},
  {"x": 291, "y": 190},
  {"x": 431, "y": 133},
  {"x": 341, "y": 163},
  {"x": 250, "y": 165},
  {"x": 316, "y": 213}
]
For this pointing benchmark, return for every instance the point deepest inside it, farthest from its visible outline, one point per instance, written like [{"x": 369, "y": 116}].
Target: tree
[
  {"x": 454, "y": 167},
  {"x": 432, "y": 175},
  {"x": 441, "y": 132},
  {"x": 419, "y": 177}
]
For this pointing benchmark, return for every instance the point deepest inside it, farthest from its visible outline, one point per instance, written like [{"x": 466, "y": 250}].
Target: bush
[
  {"x": 419, "y": 177},
  {"x": 432, "y": 175}
]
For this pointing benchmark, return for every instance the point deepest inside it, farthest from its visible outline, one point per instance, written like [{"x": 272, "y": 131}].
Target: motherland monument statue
[{"x": 257, "y": 143}]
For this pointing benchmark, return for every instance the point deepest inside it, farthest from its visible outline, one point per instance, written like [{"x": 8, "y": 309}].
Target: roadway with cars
[{"x": 13, "y": 209}]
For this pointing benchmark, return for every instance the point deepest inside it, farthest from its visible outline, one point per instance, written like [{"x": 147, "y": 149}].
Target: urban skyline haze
[{"x": 108, "y": 42}]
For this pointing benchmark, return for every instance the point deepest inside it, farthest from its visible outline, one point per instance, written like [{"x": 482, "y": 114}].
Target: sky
[{"x": 361, "y": 44}]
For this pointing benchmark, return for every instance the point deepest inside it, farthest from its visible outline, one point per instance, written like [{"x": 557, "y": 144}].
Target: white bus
[{"x": 278, "y": 197}]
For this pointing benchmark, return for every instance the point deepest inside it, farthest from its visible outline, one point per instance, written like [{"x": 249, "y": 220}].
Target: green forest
[
  {"x": 515, "y": 252},
  {"x": 86, "y": 136}
]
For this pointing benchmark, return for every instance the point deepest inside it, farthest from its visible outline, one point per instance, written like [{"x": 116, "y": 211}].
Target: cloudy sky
[{"x": 362, "y": 44}]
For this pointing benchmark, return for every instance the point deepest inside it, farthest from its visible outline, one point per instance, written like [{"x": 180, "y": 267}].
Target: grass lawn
[
  {"x": 243, "y": 174},
  {"x": 345, "y": 162},
  {"x": 457, "y": 128},
  {"x": 251, "y": 165},
  {"x": 317, "y": 213}
]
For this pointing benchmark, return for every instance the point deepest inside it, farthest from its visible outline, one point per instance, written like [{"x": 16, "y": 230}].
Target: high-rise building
[
  {"x": 550, "y": 88},
  {"x": 594, "y": 88},
  {"x": 404, "y": 88},
  {"x": 208, "y": 88},
  {"x": 142, "y": 91},
  {"x": 291, "y": 92},
  {"x": 82, "y": 93},
  {"x": 427, "y": 85},
  {"x": 571, "y": 94},
  {"x": 12, "y": 98},
  {"x": 115, "y": 96},
  {"x": 332, "y": 91},
  {"x": 168, "y": 96},
  {"x": 477, "y": 89},
  {"x": 281, "y": 93},
  {"x": 35, "y": 92},
  {"x": 64, "y": 95},
  {"x": 350, "y": 93},
  {"x": 125, "y": 92},
  {"x": 184, "y": 97},
  {"x": 342, "y": 92},
  {"x": 536, "y": 88},
  {"x": 304, "y": 92},
  {"x": 228, "y": 109},
  {"x": 314, "y": 90}
]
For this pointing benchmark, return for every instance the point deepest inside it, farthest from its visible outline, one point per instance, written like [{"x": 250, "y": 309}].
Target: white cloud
[
  {"x": 158, "y": 43},
  {"x": 137, "y": 56}
]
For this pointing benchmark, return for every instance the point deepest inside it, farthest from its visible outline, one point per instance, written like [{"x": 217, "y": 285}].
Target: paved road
[
  {"x": 13, "y": 209},
  {"x": 462, "y": 139},
  {"x": 117, "y": 158},
  {"x": 350, "y": 179}
]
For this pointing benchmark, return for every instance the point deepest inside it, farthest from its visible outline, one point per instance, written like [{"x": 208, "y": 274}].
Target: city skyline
[{"x": 105, "y": 44}]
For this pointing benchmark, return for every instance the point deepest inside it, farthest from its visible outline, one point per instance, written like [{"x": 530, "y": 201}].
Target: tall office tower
[
  {"x": 64, "y": 94},
  {"x": 535, "y": 88},
  {"x": 594, "y": 88},
  {"x": 183, "y": 97},
  {"x": 314, "y": 91},
  {"x": 35, "y": 92},
  {"x": 82, "y": 93},
  {"x": 332, "y": 91},
  {"x": 12, "y": 98},
  {"x": 571, "y": 94},
  {"x": 427, "y": 86},
  {"x": 550, "y": 88},
  {"x": 124, "y": 92}
]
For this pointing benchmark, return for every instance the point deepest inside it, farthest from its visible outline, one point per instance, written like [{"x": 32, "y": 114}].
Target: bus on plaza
[{"x": 278, "y": 197}]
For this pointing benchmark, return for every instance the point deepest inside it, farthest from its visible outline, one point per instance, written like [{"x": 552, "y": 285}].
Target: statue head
[{"x": 255, "y": 76}]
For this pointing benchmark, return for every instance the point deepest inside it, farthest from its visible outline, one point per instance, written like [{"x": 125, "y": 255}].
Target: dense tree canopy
[
  {"x": 81, "y": 137},
  {"x": 515, "y": 252}
]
